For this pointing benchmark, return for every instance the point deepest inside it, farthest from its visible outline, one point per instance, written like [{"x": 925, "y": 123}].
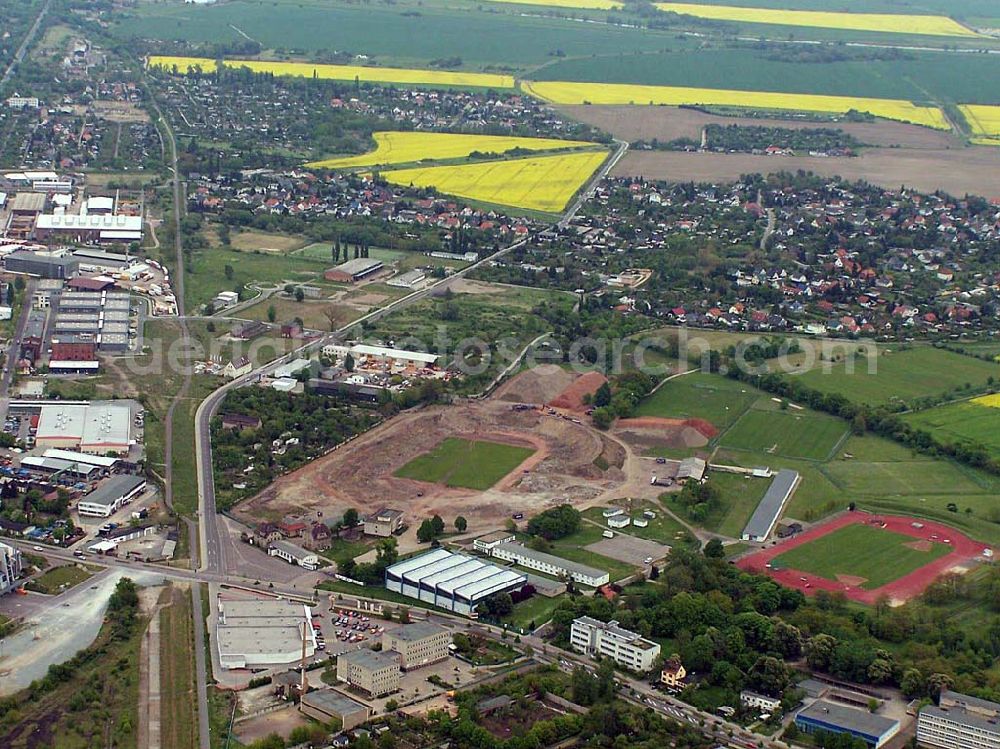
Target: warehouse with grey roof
[{"x": 771, "y": 505}]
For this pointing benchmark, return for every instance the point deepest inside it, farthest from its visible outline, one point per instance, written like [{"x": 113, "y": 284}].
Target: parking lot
[{"x": 629, "y": 549}]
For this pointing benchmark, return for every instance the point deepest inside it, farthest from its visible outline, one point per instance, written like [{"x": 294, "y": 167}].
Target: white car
[{"x": 37, "y": 548}]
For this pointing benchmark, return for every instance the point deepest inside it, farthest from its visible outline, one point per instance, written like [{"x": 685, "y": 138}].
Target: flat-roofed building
[
  {"x": 831, "y": 717},
  {"x": 383, "y": 523},
  {"x": 88, "y": 228},
  {"x": 408, "y": 280},
  {"x": 29, "y": 203},
  {"x": 41, "y": 265},
  {"x": 63, "y": 467},
  {"x": 959, "y": 721},
  {"x": 260, "y": 633},
  {"x": 11, "y": 566},
  {"x": 353, "y": 270},
  {"x": 550, "y": 564},
  {"x": 454, "y": 582},
  {"x": 376, "y": 674},
  {"x": 329, "y": 706},
  {"x": 490, "y": 541},
  {"x": 418, "y": 644},
  {"x": 111, "y": 496},
  {"x": 607, "y": 640},
  {"x": 99, "y": 428},
  {"x": 765, "y": 517}
]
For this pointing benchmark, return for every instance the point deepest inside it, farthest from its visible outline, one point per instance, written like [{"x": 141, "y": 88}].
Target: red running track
[{"x": 898, "y": 591}]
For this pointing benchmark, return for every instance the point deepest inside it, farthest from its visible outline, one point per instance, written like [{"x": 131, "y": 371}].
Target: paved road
[
  {"x": 14, "y": 349},
  {"x": 22, "y": 50}
]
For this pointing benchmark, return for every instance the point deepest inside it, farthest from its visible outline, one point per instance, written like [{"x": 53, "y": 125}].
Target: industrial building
[
  {"x": 88, "y": 228},
  {"x": 771, "y": 505},
  {"x": 959, "y": 722},
  {"x": 111, "y": 496},
  {"x": 263, "y": 633},
  {"x": 11, "y": 566},
  {"x": 454, "y": 582},
  {"x": 99, "y": 428},
  {"x": 409, "y": 280},
  {"x": 353, "y": 270},
  {"x": 42, "y": 265},
  {"x": 607, "y": 640},
  {"x": 59, "y": 467},
  {"x": 97, "y": 317},
  {"x": 381, "y": 357},
  {"x": 331, "y": 707},
  {"x": 376, "y": 674},
  {"x": 383, "y": 523},
  {"x": 419, "y": 644},
  {"x": 823, "y": 715},
  {"x": 550, "y": 564},
  {"x": 293, "y": 554},
  {"x": 103, "y": 462}
]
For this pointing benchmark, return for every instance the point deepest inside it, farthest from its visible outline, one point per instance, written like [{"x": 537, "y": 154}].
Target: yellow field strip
[
  {"x": 989, "y": 401},
  {"x": 542, "y": 183},
  {"x": 396, "y": 147},
  {"x": 984, "y": 121},
  {"x": 362, "y": 73},
  {"x": 563, "y": 92},
  {"x": 888, "y": 23},
  {"x": 581, "y": 4}
]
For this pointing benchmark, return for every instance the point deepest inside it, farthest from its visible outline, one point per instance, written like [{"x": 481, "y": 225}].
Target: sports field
[
  {"x": 899, "y": 374},
  {"x": 469, "y": 464},
  {"x": 871, "y": 556},
  {"x": 361, "y": 73},
  {"x": 984, "y": 121},
  {"x": 700, "y": 395},
  {"x": 395, "y": 147},
  {"x": 544, "y": 183},
  {"x": 574, "y": 92},
  {"x": 880, "y": 22},
  {"x": 789, "y": 433}
]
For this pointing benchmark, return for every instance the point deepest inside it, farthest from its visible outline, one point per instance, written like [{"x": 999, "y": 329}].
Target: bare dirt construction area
[
  {"x": 572, "y": 397},
  {"x": 538, "y": 385},
  {"x": 650, "y": 432},
  {"x": 568, "y": 465},
  {"x": 670, "y": 123},
  {"x": 970, "y": 170}
]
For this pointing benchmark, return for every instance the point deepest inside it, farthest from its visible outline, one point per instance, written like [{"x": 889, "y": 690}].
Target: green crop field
[
  {"x": 958, "y": 78},
  {"x": 207, "y": 275},
  {"x": 398, "y": 33},
  {"x": 471, "y": 464},
  {"x": 788, "y": 433},
  {"x": 321, "y": 251},
  {"x": 961, "y": 422},
  {"x": 900, "y": 375},
  {"x": 700, "y": 395},
  {"x": 876, "y": 555}
]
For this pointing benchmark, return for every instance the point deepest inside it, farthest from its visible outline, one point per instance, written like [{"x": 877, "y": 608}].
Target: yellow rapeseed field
[
  {"x": 991, "y": 401},
  {"x": 395, "y": 147},
  {"x": 884, "y": 22},
  {"x": 582, "y": 4},
  {"x": 984, "y": 120},
  {"x": 409, "y": 76},
  {"x": 541, "y": 183},
  {"x": 561, "y": 92}
]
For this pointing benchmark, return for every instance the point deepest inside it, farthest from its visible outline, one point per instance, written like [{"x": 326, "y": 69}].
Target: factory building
[
  {"x": 111, "y": 496},
  {"x": 98, "y": 428},
  {"x": 41, "y": 265},
  {"x": 263, "y": 633},
  {"x": 419, "y": 644},
  {"x": 71, "y": 227},
  {"x": 454, "y": 582}
]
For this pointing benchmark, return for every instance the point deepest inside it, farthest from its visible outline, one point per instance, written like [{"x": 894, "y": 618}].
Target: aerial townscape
[{"x": 499, "y": 374}]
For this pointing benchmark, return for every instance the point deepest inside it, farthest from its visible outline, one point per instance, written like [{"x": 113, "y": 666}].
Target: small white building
[
  {"x": 760, "y": 702},
  {"x": 486, "y": 544},
  {"x": 619, "y": 521},
  {"x": 293, "y": 554}
]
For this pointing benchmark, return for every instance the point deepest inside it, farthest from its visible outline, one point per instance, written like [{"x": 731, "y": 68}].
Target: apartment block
[
  {"x": 376, "y": 674},
  {"x": 608, "y": 640},
  {"x": 959, "y": 722},
  {"x": 419, "y": 644}
]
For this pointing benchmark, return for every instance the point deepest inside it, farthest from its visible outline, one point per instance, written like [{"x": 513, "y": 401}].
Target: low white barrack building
[
  {"x": 293, "y": 554},
  {"x": 607, "y": 640},
  {"x": 550, "y": 564}
]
